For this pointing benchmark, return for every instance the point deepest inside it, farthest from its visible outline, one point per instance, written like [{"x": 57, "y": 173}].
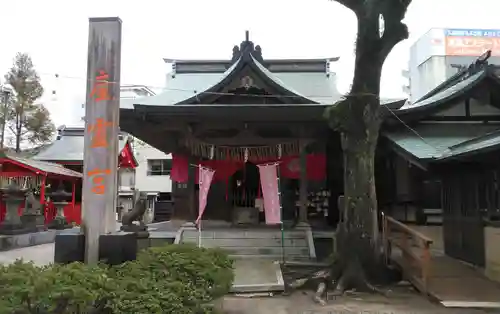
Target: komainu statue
[
  {"x": 136, "y": 213},
  {"x": 32, "y": 204}
]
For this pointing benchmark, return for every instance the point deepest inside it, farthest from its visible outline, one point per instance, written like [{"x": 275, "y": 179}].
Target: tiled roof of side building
[{"x": 68, "y": 147}]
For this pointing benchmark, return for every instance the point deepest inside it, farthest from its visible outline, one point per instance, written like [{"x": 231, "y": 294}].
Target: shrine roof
[
  {"x": 69, "y": 146},
  {"x": 449, "y": 92},
  {"x": 429, "y": 141},
  {"x": 482, "y": 144},
  {"x": 303, "y": 81},
  {"x": 47, "y": 168}
]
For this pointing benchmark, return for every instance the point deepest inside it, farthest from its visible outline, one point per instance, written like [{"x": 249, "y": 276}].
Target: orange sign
[
  {"x": 98, "y": 130},
  {"x": 101, "y": 88},
  {"x": 471, "y": 46},
  {"x": 97, "y": 176}
]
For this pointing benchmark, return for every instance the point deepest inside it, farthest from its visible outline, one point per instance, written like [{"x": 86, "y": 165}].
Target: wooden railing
[{"x": 414, "y": 248}]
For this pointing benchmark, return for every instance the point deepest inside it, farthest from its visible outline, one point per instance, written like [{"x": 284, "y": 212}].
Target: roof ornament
[{"x": 247, "y": 49}]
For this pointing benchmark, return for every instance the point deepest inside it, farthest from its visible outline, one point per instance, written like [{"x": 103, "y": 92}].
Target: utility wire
[{"x": 195, "y": 92}]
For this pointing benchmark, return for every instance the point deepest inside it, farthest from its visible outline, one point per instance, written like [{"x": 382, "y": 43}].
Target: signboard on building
[{"x": 471, "y": 42}]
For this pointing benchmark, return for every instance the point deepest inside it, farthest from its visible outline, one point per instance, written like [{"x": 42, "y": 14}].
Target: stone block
[
  {"x": 33, "y": 221},
  {"x": 69, "y": 247},
  {"x": 143, "y": 244},
  {"x": 117, "y": 248},
  {"x": 161, "y": 238},
  {"x": 42, "y": 237}
]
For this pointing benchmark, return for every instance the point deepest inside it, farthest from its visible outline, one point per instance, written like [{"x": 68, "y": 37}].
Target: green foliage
[
  {"x": 186, "y": 279},
  {"x": 179, "y": 279},
  {"x": 74, "y": 288},
  {"x": 27, "y": 120}
]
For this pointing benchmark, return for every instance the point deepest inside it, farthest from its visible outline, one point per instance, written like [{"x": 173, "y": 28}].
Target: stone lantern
[
  {"x": 13, "y": 196},
  {"x": 60, "y": 198}
]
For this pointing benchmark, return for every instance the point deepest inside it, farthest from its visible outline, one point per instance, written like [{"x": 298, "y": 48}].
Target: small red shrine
[
  {"x": 67, "y": 150},
  {"x": 39, "y": 176}
]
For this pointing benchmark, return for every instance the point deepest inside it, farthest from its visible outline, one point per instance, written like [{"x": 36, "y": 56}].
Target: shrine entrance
[{"x": 246, "y": 191}]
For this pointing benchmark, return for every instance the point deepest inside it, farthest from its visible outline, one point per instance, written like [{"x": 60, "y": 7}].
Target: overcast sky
[{"x": 54, "y": 33}]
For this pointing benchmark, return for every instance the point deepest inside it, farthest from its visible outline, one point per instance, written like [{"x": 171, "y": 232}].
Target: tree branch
[
  {"x": 393, "y": 35},
  {"x": 393, "y": 12}
]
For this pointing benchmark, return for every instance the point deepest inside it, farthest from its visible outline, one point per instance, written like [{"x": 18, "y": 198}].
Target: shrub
[
  {"x": 186, "y": 279},
  {"x": 74, "y": 288},
  {"x": 181, "y": 279}
]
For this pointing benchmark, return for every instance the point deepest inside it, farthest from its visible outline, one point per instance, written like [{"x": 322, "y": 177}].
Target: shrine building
[{"x": 435, "y": 161}]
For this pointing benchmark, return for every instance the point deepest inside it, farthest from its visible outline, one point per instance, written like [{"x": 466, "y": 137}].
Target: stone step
[
  {"x": 289, "y": 252},
  {"x": 276, "y": 257},
  {"x": 244, "y": 234},
  {"x": 248, "y": 242}
]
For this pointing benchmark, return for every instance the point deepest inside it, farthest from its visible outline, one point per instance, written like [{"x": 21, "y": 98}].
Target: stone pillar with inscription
[{"x": 102, "y": 111}]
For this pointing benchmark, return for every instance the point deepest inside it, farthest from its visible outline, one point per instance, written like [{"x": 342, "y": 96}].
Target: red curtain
[
  {"x": 223, "y": 168},
  {"x": 289, "y": 168},
  {"x": 180, "y": 168},
  {"x": 315, "y": 165}
]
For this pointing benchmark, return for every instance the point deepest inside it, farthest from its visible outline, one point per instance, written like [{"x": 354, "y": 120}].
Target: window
[{"x": 159, "y": 167}]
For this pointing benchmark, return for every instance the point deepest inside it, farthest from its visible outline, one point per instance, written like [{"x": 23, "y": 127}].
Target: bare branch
[{"x": 11, "y": 128}]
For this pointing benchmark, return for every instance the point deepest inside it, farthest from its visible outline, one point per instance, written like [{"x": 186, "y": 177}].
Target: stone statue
[
  {"x": 136, "y": 213},
  {"x": 32, "y": 204}
]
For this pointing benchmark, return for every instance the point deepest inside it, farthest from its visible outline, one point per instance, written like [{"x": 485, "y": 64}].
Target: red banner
[
  {"x": 315, "y": 167},
  {"x": 270, "y": 193},
  {"x": 205, "y": 176}
]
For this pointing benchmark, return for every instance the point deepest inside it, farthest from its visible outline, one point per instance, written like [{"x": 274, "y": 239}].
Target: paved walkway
[
  {"x": 41, "y": 254},
  {"x": 406, "y": 302}
]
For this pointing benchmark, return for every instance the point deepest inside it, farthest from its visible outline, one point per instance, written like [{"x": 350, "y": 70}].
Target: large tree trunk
[{"x": 358, "y": 119}]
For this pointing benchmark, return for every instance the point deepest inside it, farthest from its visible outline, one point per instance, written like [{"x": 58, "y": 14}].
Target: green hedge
[{"x": 181, "y": 279}]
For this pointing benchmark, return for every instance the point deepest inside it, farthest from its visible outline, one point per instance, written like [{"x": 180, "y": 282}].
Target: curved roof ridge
[{"x": 276, "y": 80}]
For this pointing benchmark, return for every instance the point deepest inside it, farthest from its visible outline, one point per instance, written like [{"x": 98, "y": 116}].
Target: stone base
[
  {"x": 134, "y": 228},
  {"x": 33, "y": 221},
  {"x": 9, "y": 242},
  {"x": 69, "y": 248},
  {"x": 59, "y": 223},
  {"x": 143, "y": 241},
  {"x": 8, "y": 228},
  {"x": 114, "y": 248},
  {"x": 117, "y": 248},
  {"x": 303, "y": 225},
  {"x": 188, "y": 225}
]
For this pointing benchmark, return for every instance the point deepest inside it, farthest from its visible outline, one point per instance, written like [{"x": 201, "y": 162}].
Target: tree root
[{"x": 336, "y": 278}]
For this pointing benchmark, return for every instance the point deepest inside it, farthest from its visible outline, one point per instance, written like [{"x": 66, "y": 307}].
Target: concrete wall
[
  {"x": 143, "y": 182},
  {"x": 492, "y": 239}
]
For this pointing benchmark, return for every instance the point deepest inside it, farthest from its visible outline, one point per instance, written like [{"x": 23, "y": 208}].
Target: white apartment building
[
  {"x": 442, "y": 52},
  {"x": 152, "y": 175}
]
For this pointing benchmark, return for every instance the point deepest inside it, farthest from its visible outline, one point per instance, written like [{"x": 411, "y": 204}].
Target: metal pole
[
  {"x": 281, "y": 215},
  {"x": 199, "y": 233}
]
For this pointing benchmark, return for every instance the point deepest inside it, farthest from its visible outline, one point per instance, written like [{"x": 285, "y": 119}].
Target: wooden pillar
[
  {"x": 192, "y": 212},
  {"x": 303, "y": 187},
  {"x": 42, "y": 199},
  {"x": 102, "y": 110}
]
